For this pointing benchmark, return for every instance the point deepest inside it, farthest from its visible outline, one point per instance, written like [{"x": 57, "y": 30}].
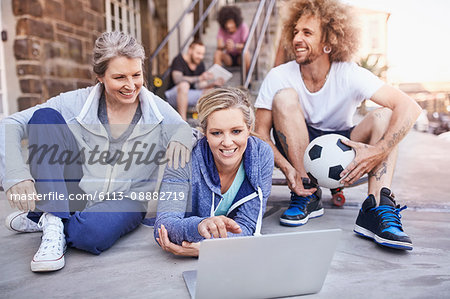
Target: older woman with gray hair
[
  {"x": 94, "y": 156},
  {"x": 227, "y": 182}
]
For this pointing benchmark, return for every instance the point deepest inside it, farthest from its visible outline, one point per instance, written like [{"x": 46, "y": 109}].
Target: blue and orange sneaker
[
  {"x": 301, "y": 208},
  {"x": 382, "y": 223}
]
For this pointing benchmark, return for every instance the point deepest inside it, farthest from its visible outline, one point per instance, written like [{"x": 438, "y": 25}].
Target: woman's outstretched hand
[{"x": 218, "y": 227}]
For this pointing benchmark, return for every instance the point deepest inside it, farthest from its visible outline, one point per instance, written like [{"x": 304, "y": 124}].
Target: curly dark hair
[
  {"x": 229, "y": 12},
  {"x": 338, "y": 29}
]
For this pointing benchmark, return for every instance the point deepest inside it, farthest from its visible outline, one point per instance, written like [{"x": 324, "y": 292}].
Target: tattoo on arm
[
  {"x": 397, "y": 136},
  {"x": 379, "y": 172},
  {"x": 177, "y": 76},
  {"x": 283, "y": 141}
]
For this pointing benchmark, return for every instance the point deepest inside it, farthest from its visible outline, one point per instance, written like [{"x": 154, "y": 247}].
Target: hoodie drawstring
[
  {"x": 212, "y": 206},
  {"x": 259, "y": 220},
  {"x": 242, "y": 201}
]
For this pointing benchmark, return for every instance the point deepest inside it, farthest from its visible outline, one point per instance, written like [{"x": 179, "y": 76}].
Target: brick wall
[{"x": 53, "y": 46}]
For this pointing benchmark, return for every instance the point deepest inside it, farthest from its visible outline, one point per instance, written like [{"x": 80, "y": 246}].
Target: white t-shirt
[{"x": 332, "y": 107}]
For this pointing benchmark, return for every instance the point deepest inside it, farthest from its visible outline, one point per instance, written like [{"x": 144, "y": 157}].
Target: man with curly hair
[
  {"x": 231, "y": 38},
  {"x": 317, "y": 93}
]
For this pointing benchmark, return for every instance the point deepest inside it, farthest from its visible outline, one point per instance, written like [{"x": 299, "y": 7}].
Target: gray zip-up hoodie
[{"x": 159, "y": 125}]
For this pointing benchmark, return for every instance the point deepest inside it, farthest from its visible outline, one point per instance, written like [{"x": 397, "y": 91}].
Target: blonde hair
[
  {"x": 337, "y": 24},
  {"x": 225, "y": 98}
]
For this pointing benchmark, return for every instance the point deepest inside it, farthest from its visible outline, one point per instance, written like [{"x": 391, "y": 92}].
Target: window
[{"x": 124, "y": 15}]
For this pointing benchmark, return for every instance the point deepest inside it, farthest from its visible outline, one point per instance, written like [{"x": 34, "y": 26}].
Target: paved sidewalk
[{"x": 135, "y": 267}]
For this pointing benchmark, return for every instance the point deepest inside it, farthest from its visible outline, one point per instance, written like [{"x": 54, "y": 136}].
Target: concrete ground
[{"x": 136, "y": 267}]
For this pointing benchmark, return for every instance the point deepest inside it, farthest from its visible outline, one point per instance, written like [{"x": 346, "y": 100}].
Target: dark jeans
[
  {"x": 94, "y": 228},
  {"x": 313, "y": 134}
]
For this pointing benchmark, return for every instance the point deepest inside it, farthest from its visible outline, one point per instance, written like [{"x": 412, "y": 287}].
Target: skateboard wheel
[{"x": 338, "y": 199}]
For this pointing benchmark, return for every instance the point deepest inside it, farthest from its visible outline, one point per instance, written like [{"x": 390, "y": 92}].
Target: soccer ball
[{"x": 325, "y": 158}]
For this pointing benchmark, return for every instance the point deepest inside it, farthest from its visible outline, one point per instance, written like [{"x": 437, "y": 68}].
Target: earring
[{"x": 327, "y": 49}]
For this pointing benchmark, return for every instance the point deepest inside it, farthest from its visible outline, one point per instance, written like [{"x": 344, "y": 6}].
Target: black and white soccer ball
[{"x": 325, "y": 158}]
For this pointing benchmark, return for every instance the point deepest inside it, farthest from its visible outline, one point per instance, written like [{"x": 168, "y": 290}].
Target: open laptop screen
[{"x": 264, "y": 266}]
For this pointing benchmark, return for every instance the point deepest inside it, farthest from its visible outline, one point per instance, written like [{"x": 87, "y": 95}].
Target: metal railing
[
  {"x": 181, "y": 45},
  {"x": 266, "y": 7}
]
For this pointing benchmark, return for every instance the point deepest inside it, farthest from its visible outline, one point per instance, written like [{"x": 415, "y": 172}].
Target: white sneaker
[
  {"x": 19, "y": 222},
  {"x": 50, "y": 255}
]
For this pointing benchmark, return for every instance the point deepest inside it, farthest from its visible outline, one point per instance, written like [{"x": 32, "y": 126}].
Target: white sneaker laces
[{"x": 53, "y": 239}]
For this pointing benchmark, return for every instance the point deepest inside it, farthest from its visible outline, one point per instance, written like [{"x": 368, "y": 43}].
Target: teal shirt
[{"x": 229, "y": 196}]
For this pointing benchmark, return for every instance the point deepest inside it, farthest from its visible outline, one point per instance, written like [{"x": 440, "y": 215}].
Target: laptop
[{"x": 266, "y": 266}]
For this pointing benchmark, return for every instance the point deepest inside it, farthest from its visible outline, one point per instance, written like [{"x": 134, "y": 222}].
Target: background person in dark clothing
[{"x": 188, "y": 79}]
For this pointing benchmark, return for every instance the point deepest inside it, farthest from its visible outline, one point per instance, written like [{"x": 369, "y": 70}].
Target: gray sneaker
[
  {"x": 19, "y": 222},
  {"x": 50, "y": 255}
]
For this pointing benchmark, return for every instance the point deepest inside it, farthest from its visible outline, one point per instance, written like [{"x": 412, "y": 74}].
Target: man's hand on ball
[{"x": 367, "y": 158}]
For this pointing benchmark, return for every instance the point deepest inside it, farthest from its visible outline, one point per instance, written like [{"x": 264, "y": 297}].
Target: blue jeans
[{"x": 94, "y": 228}]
